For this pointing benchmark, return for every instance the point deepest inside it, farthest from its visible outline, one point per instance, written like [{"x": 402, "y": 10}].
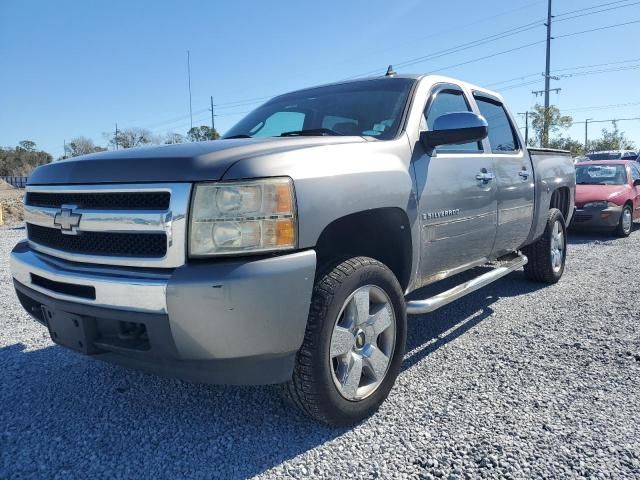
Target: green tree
[
  {"x": 202, "y": 133},
  {"x": 567, "y": 143},
  {"x": 21, "y": 160},
  {"x": 552, "y": 118},
  {"x": 612, "y": 140}
]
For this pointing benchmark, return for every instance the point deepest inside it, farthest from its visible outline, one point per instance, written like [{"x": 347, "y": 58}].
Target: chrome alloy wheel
[
  {"x": 626, "y": 220},
  {"x": 362, "y": 342},
  {"x": 557, "y": 247}
]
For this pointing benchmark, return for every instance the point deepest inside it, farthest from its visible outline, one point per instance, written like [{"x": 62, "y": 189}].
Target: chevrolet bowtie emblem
[{"x": 66, "y": 220}]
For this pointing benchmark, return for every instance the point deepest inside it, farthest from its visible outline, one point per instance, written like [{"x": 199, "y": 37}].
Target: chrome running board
[{"x": 427, "y": 305}]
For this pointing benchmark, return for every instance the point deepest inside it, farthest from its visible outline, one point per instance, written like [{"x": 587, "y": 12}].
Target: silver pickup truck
[{"x": 282, "y": 253}]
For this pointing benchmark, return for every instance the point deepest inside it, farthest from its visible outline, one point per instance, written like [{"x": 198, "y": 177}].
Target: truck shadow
[
  {"x": 68, "y": 414},
  {"x": 428, "y": 332}
]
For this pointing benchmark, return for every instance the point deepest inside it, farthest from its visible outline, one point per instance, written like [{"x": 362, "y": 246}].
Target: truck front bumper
[
  {"x": 596, "y": 218},
  {"x": 224, "y": 321}
]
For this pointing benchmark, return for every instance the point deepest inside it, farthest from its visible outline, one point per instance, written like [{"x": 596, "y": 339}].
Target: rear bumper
[
  {"x": 596, "y": 218},
  {"x": 236, "y": 322}
]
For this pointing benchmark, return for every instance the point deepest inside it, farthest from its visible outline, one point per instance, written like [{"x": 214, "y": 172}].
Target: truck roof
[{"x": 414, "y": 76}]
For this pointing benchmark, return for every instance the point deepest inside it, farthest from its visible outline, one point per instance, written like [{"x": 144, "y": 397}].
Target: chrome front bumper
[{"x": 123, "y": 289}]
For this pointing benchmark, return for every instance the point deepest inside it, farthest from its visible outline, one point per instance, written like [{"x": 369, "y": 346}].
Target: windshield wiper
[
  {"x": 310, "y": 132},
  {"x": 242, "y": 135}
]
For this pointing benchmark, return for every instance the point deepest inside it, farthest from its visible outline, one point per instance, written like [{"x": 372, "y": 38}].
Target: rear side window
[
  {"x": 450, "y": 101},
  {"x": 501, "y": 133}
]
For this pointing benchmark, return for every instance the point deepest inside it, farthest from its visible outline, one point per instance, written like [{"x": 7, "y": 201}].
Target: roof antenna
[{"x": 390, "y": 72}]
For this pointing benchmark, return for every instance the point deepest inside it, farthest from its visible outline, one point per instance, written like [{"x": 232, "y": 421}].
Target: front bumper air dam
[
  {"x": 596, "y": 218},
  {"x": 231, "y": 322}
]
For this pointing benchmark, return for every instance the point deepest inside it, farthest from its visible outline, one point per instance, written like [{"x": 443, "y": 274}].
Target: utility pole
[
  {"x": 115, "y": 137},
  {"x": 547, "y": 79},
  {"x": 189, "y": 79},
  {"x": 213, "y": 123},
  {"x": 526, "y": 128},
  {"x": 586, "y": 135}
]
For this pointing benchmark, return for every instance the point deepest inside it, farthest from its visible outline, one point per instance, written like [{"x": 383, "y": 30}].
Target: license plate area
[{"x": 72, "y": 331}]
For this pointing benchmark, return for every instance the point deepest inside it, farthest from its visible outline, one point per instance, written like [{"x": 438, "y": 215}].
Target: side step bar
[{"x": 427, "y": 305}]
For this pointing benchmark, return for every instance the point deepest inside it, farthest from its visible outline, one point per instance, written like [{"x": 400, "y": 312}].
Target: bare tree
[
  {"x": 173, "y": 137},
  {"x": 82, "y": 146},
  {"x": 132, "y": 137}
]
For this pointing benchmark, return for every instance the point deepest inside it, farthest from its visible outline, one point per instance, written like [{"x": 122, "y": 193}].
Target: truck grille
[
  {"x": 102, "y": 201},
  {"x": 132, "y": 225},
  {"x": 152, "y": 245}
]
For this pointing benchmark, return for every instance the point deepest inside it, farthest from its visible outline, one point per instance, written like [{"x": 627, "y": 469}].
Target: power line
[
  {"x": 593, "y": 7},
  {"x": 599, "y": 11},
  {"x": 538, "y": 74},
  {"x": 601, "y": 107},
  {"x": 615, "y": 25},
  {"x": 458, "y": 48}
]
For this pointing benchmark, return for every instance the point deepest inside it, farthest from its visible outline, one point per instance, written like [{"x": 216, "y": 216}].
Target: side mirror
[
  {"x": 636, "y": 183},
  {"x": 455, "y": 129}
]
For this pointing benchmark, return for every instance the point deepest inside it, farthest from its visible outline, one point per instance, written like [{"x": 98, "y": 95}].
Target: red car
[{"x": 607, "y": 196}]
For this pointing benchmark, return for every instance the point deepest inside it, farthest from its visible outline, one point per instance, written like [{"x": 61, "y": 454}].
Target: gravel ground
[{"x": 514, "y": 381}]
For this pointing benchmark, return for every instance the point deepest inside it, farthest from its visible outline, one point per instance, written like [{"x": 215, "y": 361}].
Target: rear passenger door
[
  {"x": 514, "y": 176},
  {"x": 456, "y": 195}
]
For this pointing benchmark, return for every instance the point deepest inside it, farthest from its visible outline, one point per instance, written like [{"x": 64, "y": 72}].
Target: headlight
[
  {"x": 243, "y": 217},
  {"x": 600, "y": 204}
]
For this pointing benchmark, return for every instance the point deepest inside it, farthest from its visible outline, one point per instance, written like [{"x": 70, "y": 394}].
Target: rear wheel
[
  {"x": 625, "y": 225},
  {"x": 353, "y": 345},
  {"x": 548, "y": 254}
]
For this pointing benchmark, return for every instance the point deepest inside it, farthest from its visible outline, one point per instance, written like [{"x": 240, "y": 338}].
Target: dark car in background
[
  {"x": 612, "y": 155},
  {"x": 607, "y": 196}
]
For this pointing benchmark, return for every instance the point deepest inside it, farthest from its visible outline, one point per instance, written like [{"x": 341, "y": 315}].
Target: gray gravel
[{"x": 514, "y": 381}]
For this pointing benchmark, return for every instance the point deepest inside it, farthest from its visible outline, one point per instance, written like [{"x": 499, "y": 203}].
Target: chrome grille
[{"x": 133, "y": 225}]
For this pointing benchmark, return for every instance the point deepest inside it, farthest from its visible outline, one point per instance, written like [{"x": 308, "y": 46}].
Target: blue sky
[{"x": 77, "y": 68}]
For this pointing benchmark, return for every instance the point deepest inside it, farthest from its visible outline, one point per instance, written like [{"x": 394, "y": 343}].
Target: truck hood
[
  {"x": 187, "y": 162},
  {"x": 594, "y": 193}
]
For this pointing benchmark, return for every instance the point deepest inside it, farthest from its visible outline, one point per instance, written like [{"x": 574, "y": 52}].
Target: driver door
[{"x": 457, "y": 196}]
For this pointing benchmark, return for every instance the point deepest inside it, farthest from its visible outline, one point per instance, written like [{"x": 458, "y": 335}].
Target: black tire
[
  {"x": 540, "y": 267},
  {"x": 312, "y": 388},
  {"x": 620, "y": 230}
]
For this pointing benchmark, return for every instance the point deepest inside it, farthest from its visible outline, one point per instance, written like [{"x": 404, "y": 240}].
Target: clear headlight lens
[
  {"x": 243, "y": 217},
  {"x": 599, "y": 204}
]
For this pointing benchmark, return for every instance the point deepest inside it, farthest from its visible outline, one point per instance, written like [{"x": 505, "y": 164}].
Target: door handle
[
  {"x": 523, "y": 174},
  {"x": 485, "y": 177}
]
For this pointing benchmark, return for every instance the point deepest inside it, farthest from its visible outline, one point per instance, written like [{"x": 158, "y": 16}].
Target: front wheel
[
  {"x": 547, "y": 256},
  {"x": 353, "y": 345},
  {"x": 625, "y": 225}
]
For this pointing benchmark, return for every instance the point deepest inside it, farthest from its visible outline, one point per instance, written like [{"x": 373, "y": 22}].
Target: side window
[
  {"x": 635, "y": 172},
  {"x": 450, "y": 101},
  {"x": 278, "y": 123},
  {"x": 501, "y": 133}
]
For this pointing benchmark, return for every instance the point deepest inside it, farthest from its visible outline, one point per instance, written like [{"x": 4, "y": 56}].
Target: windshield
[
  {"x": 604, "y": 156},
  {"x": 601, "y": 175},
  {"x": 367, "y": 108}
]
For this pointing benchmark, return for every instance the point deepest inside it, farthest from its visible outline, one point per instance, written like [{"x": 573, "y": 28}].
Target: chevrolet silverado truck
[{"x": 284, "y": 252}]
